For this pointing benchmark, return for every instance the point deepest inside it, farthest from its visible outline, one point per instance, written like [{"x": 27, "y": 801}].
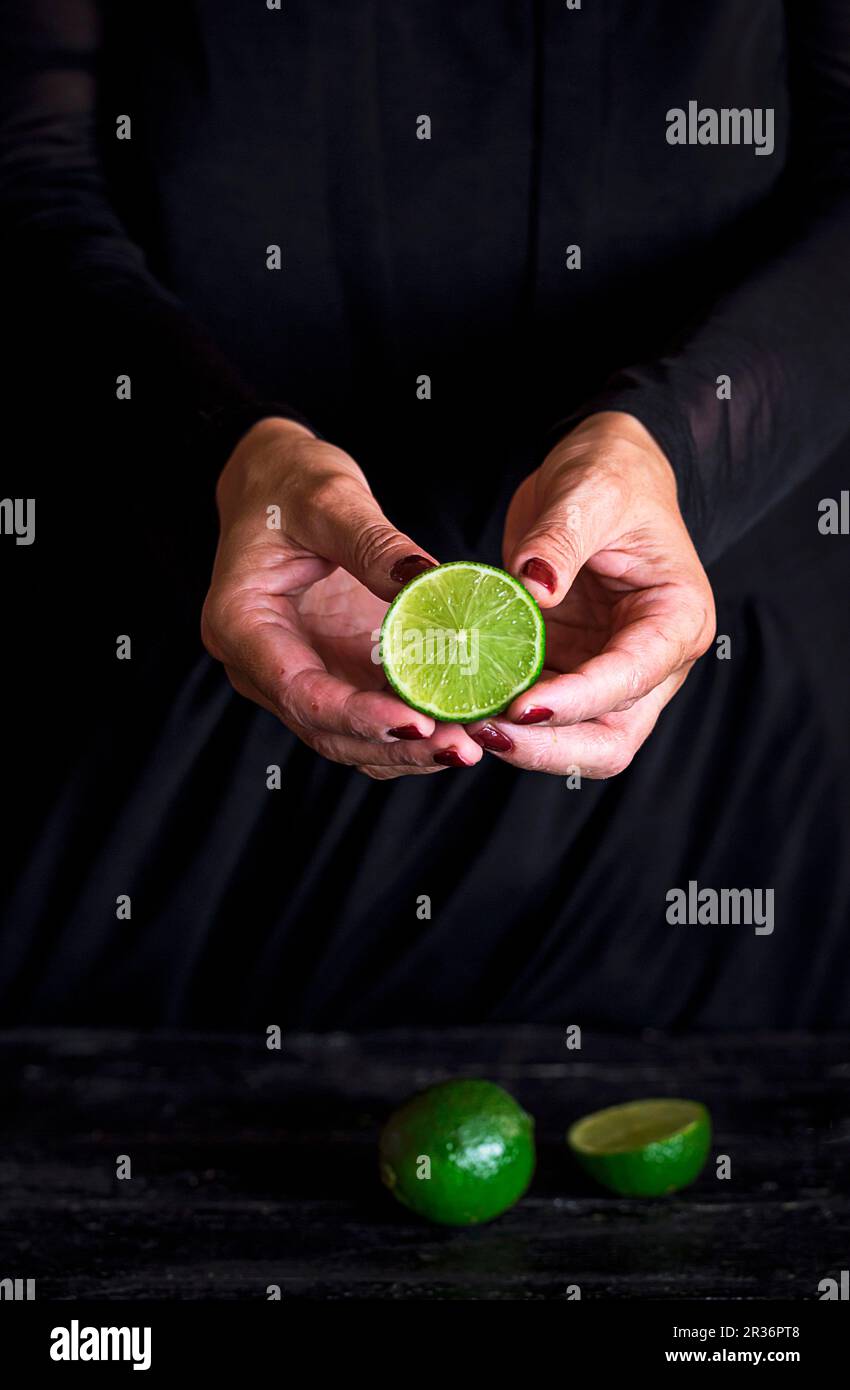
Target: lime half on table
[
  {"x": 461, "y": 641},
  {"x": 644, "y": 1148}
]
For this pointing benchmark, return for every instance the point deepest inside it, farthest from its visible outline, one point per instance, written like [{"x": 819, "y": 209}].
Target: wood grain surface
[{"x": 253, "y": 1167}]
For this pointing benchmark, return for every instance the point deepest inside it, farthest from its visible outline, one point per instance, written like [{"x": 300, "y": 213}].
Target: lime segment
[
  {"x": 461, "y": 641},
  {"x": 644, "y": 1148}
]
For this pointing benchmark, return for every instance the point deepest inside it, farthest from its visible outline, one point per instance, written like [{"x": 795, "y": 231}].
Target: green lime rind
[
  {"x": 479, "y": 1146},
  {"x": 524, "y": 652},
  {"x": 645, "y": 1148}
]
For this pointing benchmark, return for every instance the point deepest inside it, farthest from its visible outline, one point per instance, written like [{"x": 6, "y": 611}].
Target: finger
[
  {"x": 450, "y": 746},
  {"x": 639, "y": 656},
  {"x": 405, "y": 748},
  {"x": 588, "y": 749},
  {"x": 338, "y": 518},
  {"x": 330, "y": 705},
  {"x": 594, "y": 749},
  {"x": 389, "y": 774},
  {"x": 293, "y": 683},
  {"x": 574, "y": 517}
]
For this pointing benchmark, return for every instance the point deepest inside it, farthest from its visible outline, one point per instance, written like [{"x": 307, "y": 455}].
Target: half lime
[
  {"x": 461, "y": 641},
  {"x": 644, "y": 1148}
]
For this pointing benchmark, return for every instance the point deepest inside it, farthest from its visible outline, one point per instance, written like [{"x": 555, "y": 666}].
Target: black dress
[{"x": 539, "y": 248}]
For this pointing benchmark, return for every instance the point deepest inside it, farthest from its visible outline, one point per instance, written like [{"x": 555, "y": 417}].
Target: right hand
[{"x": 291, "y": 612}]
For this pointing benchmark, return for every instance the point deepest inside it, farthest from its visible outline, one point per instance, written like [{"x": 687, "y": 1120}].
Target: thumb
[
  {"x": 345, "y": 525},
  {"x": 555, "y": 524}
]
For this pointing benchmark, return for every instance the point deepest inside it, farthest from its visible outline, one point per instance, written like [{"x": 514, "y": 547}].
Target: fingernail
[
  {"x": 535, "y": 715},
  {"x": 408, "y": 568},
  {"x": 541, "y": 573},
  {"x": 405, "y": 731},
  {"x": 492, "y": 739},
  {"x": 450, "y": 757}
]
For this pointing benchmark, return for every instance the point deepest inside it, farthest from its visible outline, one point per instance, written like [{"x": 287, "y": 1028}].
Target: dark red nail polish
[
  {"x": 450, "y": 758},
  {"x": 408, "y": 568},
  {"x": 535, "y": 715},
  {"x": 492, "y": 739},
  {"x": 405, "y": 731},
  {"x": 541, "y": 573}
]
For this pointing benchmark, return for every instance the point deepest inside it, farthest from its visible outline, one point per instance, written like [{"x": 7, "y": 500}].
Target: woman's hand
[
  {"x": 596, "y": 535},
  {"x": 306, "y": 565}
]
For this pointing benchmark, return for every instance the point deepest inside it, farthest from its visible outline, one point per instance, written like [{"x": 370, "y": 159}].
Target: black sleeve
[
  {"x": 72, "y": 269},
  {"x": 781, "y": 334}
]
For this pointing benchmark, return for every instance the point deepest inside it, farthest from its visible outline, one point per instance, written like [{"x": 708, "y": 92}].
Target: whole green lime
[{"x": 458, "y": 1153}]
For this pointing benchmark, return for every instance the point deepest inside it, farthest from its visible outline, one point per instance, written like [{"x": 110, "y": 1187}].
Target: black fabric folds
[{"x": 153, "y": 258}]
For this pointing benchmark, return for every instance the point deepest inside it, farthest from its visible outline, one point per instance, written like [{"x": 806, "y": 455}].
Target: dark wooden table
[{"x": 252, "y": 1168}]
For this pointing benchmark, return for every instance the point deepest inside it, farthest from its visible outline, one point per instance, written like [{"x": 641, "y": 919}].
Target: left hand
[{"x": 595, "y": 533}]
